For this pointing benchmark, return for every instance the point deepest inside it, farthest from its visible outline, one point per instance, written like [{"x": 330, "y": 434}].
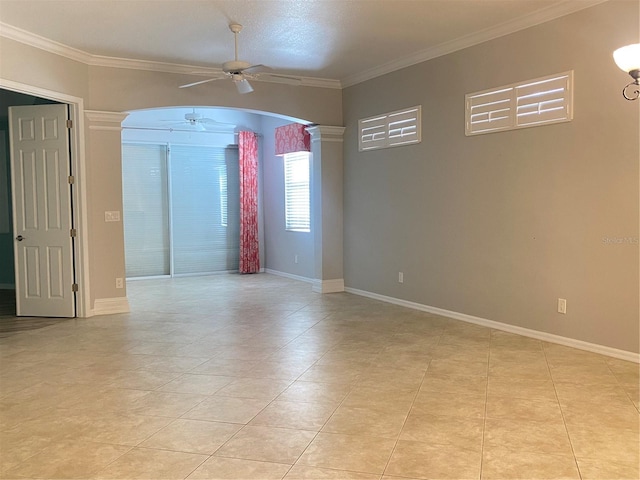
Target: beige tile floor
[{"x": 256, "y": 377}]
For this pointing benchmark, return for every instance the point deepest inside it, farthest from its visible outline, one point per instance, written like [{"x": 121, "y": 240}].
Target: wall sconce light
[{"x": 628, "y": 59}]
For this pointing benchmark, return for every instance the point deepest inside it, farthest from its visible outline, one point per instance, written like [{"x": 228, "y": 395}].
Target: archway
[{"x": 285, "y": 253}]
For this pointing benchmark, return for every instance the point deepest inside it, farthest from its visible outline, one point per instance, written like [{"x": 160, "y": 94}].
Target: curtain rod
[{"x": 164, "y": 129}]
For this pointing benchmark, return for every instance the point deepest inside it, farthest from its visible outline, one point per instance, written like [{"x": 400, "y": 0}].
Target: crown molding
[
  {"x": 42, "y": 43},
  {"x": 536, "y": 18},
  {"x": 147, "y": 65}
]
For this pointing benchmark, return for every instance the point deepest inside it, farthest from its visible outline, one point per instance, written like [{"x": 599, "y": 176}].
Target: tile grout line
[
  {"x": 620, "y": 385},
  {"x": 486, "y": 403},
  {"x": 564, "y": 421},
  {"x": 395, "y": 446}
]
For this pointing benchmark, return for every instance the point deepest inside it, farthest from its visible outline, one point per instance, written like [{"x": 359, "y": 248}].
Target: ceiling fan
[
  {"x": 199, "y": 122},
  {"x": 240, "y": 72}
]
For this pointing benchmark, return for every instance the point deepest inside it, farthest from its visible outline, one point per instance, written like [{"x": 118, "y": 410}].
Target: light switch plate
[{"x": 113, "y": 216}]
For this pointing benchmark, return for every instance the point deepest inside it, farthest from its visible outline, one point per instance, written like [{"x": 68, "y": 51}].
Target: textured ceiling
[{"x": 346, "y": 40}]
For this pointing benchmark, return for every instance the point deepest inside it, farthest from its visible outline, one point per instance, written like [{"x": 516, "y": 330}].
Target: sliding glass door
[
  {"x": 146, "y": 210},
  {"x": 181, "y": 209}
]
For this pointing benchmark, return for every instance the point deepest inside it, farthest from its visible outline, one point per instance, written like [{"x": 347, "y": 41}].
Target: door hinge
[
  {"x": 73, "y": 232},
  {"x": 69, "y": 123},
  {"x": 74, "y": 287},
  {"x": 72, "y": 179}
]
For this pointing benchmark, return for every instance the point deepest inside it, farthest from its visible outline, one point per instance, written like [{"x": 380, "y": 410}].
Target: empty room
[{"x": 360, "y": 239}]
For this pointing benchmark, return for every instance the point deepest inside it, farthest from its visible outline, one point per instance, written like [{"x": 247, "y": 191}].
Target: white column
[
  {"x": 327, "y": 207},
  {"x": 106, "y": 235}
]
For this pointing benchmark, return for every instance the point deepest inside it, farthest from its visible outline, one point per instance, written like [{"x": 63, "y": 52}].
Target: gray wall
[
  {"x": 499, "y": 226},
  {"x": 281, "y": 246}
]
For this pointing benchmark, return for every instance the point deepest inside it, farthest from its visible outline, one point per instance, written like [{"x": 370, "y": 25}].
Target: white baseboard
[
  {"x": 335, "y": 285},
  {"x": 289, "y": 275},
  {"x": 317, "y": 285},
  {"x": 110, "y": 306},
  {"x": 526, "y": 332}
]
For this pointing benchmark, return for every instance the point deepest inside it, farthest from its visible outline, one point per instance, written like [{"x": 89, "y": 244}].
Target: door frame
[{"x": 78, "y": 193}]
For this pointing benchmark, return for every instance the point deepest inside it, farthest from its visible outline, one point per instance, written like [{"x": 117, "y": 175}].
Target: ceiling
[{"x": 345, "y": 41}]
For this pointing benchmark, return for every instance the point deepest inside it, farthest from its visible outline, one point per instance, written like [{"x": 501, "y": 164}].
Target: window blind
[
  {"x": 145, "y": 209},
  {"x": 181, "y": 209},
  {"x": 296, "y": 191},
  {"x": 202, "y": 243}
]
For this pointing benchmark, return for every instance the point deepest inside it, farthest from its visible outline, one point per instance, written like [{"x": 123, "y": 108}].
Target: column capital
[
  {"x": 326, "y": 133},
  {"x": 103, "y": 120}
]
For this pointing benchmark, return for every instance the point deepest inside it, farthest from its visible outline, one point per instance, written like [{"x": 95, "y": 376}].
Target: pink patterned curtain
[
  {"x": 248, "y": 153},
  {"x": 292, "y": 138}
]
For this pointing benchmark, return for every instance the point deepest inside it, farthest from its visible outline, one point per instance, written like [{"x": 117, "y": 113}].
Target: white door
[{"x": 42, "y": 221}]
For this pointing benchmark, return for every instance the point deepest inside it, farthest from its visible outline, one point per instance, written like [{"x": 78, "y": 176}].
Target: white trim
[
  {"x": 289, "y": 275},
  {"x": 76, "y": 112},
  {"x": 326, "y": 133},
  {"x": 110, "y": 306},
  {"x": 525, "y": 332},
  {"x": 100, "y": 127},
  {"x": 552, "y": 12},
  {"x": 106, "y": 116},
  {"x": 42, "y": 43},
  {"x": 335, "y": 285}
]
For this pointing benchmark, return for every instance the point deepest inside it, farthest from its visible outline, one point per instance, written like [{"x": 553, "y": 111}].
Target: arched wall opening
[
  {"x": 168, "y": 134},
  {"x": 100, "y": 96}
]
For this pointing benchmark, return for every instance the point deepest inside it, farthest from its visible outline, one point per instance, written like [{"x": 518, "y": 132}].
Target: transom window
[
  {"x": 392, "y": 129},
  {"x": 525, "y": 104}
]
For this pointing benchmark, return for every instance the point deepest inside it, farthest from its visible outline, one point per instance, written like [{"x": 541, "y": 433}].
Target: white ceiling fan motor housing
[{"x": 235, "y": 66}]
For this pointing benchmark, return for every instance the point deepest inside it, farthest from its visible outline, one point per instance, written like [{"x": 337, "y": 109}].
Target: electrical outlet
[
  {"x": 119, "y": 283},
  {"x": 400, "y": 277},
  {"x": 295, "y": 259},
  {"x": 562, "y": 305}
]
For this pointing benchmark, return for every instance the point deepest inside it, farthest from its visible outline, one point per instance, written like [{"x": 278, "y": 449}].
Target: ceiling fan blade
[
  {"x": 251, "y": 67},
  {"x": 243, "y": 86},
  {"x": 211, "y": 121},
  {"x": 208, "y": 73},
  {"x": 200, "y": 82}
]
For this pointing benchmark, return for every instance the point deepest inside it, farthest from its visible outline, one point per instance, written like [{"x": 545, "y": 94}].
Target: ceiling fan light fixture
[{"x": 243, "y": 86}]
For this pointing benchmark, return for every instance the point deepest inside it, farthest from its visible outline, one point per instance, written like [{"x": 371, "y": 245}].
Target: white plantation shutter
[
  {"x": 296, "y": 192},
  {"x": 392, "y": 129},
  {"x": 403, "y": 127},
  {"x": 546, "y": 100},
  {"x": 373, "y": 133},
  {"x": 525, "y": 104},
  {"x": 489, "y": 111}
]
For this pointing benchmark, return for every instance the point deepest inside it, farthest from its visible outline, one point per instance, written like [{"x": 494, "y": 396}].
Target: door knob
[{"x": 19, "y": 238}]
